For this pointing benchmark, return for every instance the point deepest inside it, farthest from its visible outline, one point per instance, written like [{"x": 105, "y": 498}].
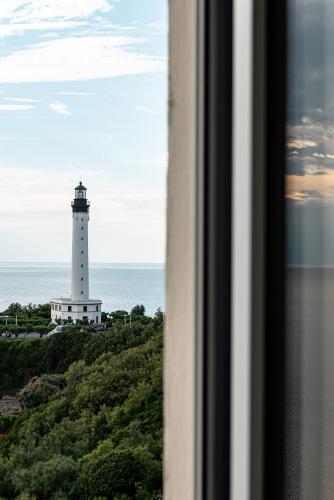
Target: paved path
[
  {"x": 9, "y": 405},
  {"x": 32, "y": 335}
]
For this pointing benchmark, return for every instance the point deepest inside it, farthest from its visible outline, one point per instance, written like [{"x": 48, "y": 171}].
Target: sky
[
  {"x": 310, "y": 132},
  {"x": 83, "y": 96}
]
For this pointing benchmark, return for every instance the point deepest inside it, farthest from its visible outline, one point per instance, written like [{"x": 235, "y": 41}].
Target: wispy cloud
[
  {"x": 76, "y": 93},
  {"x": 16, "y": 181},
  {"x": 20, "y": 138},
  {"x": 107, "y": 137},
  {"x": 60, "y": 108},
  {"x": 7, "y": 30},
  {"x": 19, "y": 99},
  {"x": 16, "y": 107},
  {"x": 73, "y": 59},
  {"x": 315, "y": 186},
  {"x": 310, "y": 144},
  {"x": 49, "y": 34},
  {"x": 146, "y": 109},
  {"x": 73, "y": 44},
  {"x": 28, "y": 11},
  {"x": 305, "y": 195},
  {"x": 301, "y": 144},
  {"x": 160, "y": 161}
]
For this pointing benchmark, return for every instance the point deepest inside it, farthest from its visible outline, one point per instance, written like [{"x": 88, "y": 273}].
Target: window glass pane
[
  {"x": 83, "y": 168},
  {"x": 310, "y": 251}
]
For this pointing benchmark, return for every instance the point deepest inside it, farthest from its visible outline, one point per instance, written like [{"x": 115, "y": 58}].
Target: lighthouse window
[
  {"x": 81, "y": 279},
  {"x": 81, "y": 238},
  {"x": 81, "y": 252},
  {"x": 81, "y": 265},
  {"x": 69, "y": 308},
  {"x": 81, "y": 228}
]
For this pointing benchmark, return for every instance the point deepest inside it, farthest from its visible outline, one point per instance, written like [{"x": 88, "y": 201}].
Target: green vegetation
[
  {"x": 91, "y": 424},
  {"x": 36, "y": 318},
  {"x": 26, "y": 319}
]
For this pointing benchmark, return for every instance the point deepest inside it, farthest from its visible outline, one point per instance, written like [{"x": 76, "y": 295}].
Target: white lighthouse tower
[
  {"x": 80, "y": 274},
  {"x": 79, "y": 306}
]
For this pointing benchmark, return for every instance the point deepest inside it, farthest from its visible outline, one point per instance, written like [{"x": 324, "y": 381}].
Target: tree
[
  {"x": 159, "y": 316},
  {"x": 48, "y": 479},
  {"x": 93, "y": 432},
  {"x": 107, "y": 471},
  {"x": 43, "y": 310},
  {"x": 138, "y": 310},
  {"x": 119, "y": 315},
  {"x": 29, "y": 309},
  {"x": 14, "y": 309}
]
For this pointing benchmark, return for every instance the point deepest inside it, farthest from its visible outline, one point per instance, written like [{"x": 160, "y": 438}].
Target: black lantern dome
[{"x": 80, "y": 203}]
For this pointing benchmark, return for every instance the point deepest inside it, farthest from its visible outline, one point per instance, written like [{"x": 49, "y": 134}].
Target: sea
[
  {"x": 310, "y": 384},
  {"x": 119, "y": 286}
]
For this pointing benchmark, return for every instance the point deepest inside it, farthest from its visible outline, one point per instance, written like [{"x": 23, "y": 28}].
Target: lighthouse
[
  {"x": 80, "y": 274},
  {"x": 79, "y": 306}
]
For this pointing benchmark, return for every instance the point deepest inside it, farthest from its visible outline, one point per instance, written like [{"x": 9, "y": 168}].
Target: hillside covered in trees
[{"x": 91, "y": 419}]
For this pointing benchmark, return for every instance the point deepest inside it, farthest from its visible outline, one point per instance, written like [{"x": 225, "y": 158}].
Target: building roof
[
  {"x": 69, "y": 301},
  {"x": 81, "y": 187}
]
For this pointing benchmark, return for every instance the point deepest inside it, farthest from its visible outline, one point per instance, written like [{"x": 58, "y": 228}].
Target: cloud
[
  {"x": 301, "y": 144},
  {"x": 35, "y": 205},
  {"x": 304, "y": 195},
  {"x": 310, "y": 145},
  {"x": 107, "y": 137},
  {"x": 315, "y": 186},
  {"x": 19, "y": 99},
  {"x": 73, "y": 59},
  {"x": 316, "y": 171},
  {"x": 310, "y": 106},
  {"x": 20, "y": 138},
  {"x": 29, "y": 11},
  {"x": 60, "y": 108},
  {"x": 25, "y": 190},
  {"x": 16, "y": 107},
  {"x": 49, "y": 34},
  {"x": 7, "y": 30},
  {"x": 147, "y": 110},
  {"x": 76, "y": 93},
  {"x": 160, "y": 160}
]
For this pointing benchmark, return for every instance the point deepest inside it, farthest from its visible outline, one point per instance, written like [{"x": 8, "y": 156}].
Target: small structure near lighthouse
[{"x": 79, "y": 306}]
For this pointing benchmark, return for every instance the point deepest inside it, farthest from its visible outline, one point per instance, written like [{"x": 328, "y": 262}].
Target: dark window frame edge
[{"x": 214, "y": 187}]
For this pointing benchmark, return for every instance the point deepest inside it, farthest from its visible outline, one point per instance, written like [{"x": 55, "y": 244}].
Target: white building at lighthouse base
[{"x": 70, "y": 311}]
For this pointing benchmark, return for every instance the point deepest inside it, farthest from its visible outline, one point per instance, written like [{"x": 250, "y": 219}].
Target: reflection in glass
[{"x": 310, "y": 251}]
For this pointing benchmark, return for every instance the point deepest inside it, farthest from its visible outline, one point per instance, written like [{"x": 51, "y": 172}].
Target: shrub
[
  {"x": 40, "y": 390},
  {"x": 52, "y": 479},
  {"x": 6, "y": 422},
  {"x": 107, "y": 471},
  {"x": 93, "y": 432}
]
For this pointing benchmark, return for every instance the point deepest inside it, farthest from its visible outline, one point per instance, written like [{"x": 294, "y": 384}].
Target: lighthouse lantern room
[{"x": 79, "y": 306}]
